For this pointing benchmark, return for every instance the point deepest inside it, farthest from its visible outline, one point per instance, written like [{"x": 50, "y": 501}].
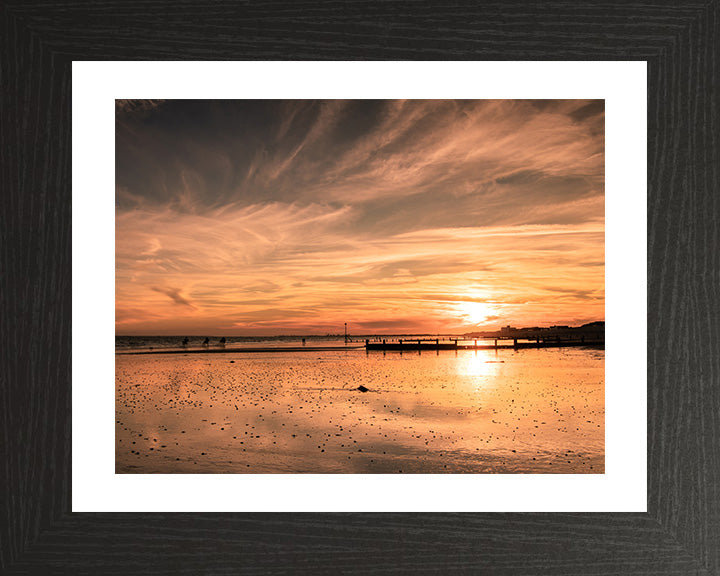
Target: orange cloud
[
  {"x": 389, "y": 224},
  {"x": 174, "y": 295}
]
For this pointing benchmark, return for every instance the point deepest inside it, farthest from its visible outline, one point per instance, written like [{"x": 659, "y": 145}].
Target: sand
[{"x": 530, "y": 411}]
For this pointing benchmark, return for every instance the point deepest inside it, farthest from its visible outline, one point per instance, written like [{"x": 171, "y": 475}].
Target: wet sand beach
[{"x": 529, "y": 411}]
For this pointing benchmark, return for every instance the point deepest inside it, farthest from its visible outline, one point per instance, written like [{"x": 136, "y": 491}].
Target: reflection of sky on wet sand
[
  {"x": 527, "y": 411},
  {"x": 478, "y": 364}
]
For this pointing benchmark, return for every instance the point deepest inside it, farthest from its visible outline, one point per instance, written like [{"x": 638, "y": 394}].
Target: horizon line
[{"x": 356, "y": 334}]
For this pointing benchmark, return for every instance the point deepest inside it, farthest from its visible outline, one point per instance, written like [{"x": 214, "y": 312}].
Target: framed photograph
[
  {"x": 438, "y": 284},
  {"x": 315, "y": 249},
  {"x": 401, "y": 296}
]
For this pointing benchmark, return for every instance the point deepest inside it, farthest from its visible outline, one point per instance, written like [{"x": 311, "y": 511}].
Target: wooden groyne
[{"x": 499, "y": 344}]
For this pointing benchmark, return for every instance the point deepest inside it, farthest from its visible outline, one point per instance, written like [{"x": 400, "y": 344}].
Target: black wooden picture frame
[{"x": 680, "y": 533}]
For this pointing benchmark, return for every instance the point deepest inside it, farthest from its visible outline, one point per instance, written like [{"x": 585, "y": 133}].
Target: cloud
[
  {"x": 314, "y": 213},
  {"x": 136, "y": 106},
  {"x": 174, "y": 295},
  {"x": 337, "y": 151}
]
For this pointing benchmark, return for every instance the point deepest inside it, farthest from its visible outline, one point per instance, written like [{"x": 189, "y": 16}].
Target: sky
[{"x": 296, "y": 217}]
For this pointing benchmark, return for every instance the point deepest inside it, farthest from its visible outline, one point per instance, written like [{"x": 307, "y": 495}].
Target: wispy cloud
[
  {"x": 174, "y": 295},
  {"x": 299, "y": 216},
  {"x": 136, "y": 106}
]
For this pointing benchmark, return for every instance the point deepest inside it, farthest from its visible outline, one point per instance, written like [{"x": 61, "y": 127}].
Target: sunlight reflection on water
[
  {"x": 467, "y": 411},
  {"x": 477, "y": 363}
]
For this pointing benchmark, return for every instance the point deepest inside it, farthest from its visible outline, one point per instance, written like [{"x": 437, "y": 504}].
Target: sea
[
  {"x": 274, "y": 406},
  {"x": 148, "y": 343}
]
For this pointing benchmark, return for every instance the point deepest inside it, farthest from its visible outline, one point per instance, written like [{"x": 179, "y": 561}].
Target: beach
[{"x": 298, "y": 410}]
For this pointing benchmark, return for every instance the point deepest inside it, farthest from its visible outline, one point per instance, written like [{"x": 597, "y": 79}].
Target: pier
[{"x": 420, "y": 344}]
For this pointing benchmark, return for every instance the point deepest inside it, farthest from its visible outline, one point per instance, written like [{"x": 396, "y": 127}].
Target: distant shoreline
[
  {"x": 238, "y": 350},
  {"x": 376, "y": 347}
]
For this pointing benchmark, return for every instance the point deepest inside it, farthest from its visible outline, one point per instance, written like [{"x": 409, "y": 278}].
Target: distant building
[{"x": 507, "y": 330}]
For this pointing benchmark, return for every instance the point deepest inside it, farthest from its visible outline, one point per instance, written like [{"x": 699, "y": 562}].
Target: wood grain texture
[{"x": 681, "y": 532}]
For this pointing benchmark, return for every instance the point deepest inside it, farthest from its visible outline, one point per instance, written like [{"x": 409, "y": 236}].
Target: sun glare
[{"x": 475, "y": 312}]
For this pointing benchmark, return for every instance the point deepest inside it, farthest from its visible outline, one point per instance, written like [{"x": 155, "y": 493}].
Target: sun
[{"x": 475, "y": 312}]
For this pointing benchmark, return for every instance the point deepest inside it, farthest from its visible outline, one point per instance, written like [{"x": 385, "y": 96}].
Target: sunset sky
[{"x": 294, "y": 217}]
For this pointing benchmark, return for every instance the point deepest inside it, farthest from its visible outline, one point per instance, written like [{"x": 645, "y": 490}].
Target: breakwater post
[{"x": 513, "y": 343}]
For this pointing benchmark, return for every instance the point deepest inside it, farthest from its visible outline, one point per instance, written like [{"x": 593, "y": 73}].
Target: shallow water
[{"x": 525, "y": 411}]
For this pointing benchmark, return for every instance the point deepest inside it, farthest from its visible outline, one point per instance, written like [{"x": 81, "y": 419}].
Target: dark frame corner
[{"x": 680, "y": 534}]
